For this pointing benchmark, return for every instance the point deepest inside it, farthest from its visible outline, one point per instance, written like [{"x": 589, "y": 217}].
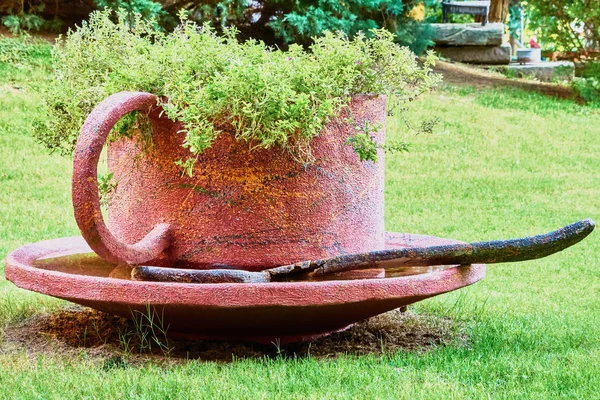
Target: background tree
[
  {"x": 566, "y": 25},
  {"x": 499, "y": 10},
  {"x": 573, "y": 28}
]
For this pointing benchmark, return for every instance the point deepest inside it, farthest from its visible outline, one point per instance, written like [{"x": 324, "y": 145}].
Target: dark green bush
[
  {"x": 24, "y": 16},
  {"x": 148, "y": 9},
  {"x": 282, "y": 22},
  {"x": 588, "y": 84},
  {"x": 275, "y": 22}
]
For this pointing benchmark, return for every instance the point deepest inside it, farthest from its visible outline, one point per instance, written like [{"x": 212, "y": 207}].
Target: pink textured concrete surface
[
  {"x": 289, "y": 311},
  {"x": 243, "y": 209}
]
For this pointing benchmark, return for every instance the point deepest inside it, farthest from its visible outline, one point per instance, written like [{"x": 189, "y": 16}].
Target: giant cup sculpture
[
  {"x": 250, "y": 243},
  {"x": 254, "y": 246}
]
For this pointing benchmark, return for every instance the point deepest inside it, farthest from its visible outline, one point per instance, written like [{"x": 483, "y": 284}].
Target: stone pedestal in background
[
  {"x": 485, "y": 55},
  {"x": 468, "y": 34},
  {"x": 472, "y": 43},
  {"x": 543, "y": 71}
]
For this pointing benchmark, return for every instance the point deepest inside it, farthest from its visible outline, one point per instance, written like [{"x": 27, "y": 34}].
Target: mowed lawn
[{"x": 500, "y": 164}]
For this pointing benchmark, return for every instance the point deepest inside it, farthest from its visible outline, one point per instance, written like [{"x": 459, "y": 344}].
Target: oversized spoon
[{"x": 498, "y": 251}]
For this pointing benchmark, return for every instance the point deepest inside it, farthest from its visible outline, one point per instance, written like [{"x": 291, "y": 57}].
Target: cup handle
[{"x": 86, "y": 200}]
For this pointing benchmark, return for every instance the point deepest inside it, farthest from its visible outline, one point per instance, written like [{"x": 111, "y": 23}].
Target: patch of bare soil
[
  {"x": 114, "y": 339},
  {"x": 463, "y": 75},
  {"x": 10, "y": 89}
]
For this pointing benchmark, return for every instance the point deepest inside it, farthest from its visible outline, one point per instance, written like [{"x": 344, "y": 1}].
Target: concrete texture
[
  {"x": 468, "y": 34},
  {"x": 241, "y": 209},
  {"x": 263, "y": 312},
  {"x": 543, "y": 71},
  {"x": 485, "y": 55}
]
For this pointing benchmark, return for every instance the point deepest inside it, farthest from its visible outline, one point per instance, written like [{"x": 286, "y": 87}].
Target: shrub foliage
[{"x": 269, "y": 97}]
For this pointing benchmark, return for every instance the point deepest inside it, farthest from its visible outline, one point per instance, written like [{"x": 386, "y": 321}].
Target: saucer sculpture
[
  {"x": 289, "y": 311},
  {"x": 336, "y": 292}
]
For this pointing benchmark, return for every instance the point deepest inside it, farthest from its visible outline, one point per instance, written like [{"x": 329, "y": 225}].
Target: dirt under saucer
[{"x": 120, "y": 341}]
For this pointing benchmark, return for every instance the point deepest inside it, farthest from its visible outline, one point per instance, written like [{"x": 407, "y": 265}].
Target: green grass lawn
[{"x": 500, "y": 164}]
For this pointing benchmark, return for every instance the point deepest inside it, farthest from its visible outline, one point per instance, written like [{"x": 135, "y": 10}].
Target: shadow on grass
[{"x": 115, "y": 339}]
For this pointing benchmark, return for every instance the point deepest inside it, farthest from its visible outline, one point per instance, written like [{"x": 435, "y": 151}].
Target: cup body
[{"x": 251, "y": 209}]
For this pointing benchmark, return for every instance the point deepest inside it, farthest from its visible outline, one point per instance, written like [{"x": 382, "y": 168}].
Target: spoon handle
[{"x": 498, "y": 251}]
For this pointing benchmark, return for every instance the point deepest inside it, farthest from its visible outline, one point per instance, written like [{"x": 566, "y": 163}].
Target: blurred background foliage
[
  {"x": 275, "y": 22},
  {"x": 570, "y": 28}
]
